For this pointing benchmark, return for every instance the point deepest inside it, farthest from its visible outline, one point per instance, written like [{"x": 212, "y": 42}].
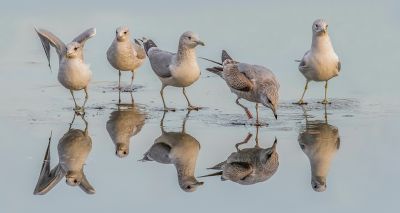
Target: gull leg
[
  {"x": 246, "y": 140},
  {"x": 325, "y": 101},
  {"x": 132, "y": 100},
  {"x": 301, "y": 101},
  {"x": 190, "y": 106},
  {"x": 257, "y": 145},
  {"x": 86, "y": 97},
  {"x": 119, "y": 97},
  {"x": 119, "y": 80},
  {"x": 77, "y": 108},
  {"x": 257, "y": 121},
  {"x": 249, "y": 115},
  {"x": 133, "y": 77},
  {"x": 166, "y": 109}
]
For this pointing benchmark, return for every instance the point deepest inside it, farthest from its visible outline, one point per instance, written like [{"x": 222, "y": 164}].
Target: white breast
[
  {"x": 185, "y": 74},
  {"x": 73, "y": 74}
]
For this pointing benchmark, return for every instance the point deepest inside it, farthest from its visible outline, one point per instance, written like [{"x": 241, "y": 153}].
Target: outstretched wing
[
  {"x": 160, "y": 61},
  {"x": 83, "y": 37},
  {"x": 47, "y": 38}
]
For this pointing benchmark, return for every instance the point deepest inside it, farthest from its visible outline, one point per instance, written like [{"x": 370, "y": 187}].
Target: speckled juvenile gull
[
  {"x": 73, "y": 73},
  {"x": 320, "y": 63},
  {"x": 250, "y": 165},
  {"x": 254, "y": 83},
  {"x": 73, "y": 149},
  {"x": 124, "y": 55},
  {"x": 176, "y": 69}
]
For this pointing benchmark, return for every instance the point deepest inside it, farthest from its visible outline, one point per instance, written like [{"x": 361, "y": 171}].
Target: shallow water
[{"x": 362, "y": 173}]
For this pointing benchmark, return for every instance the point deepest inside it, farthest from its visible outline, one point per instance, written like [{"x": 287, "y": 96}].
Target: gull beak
[
  {"x": 200, "y": 43},
  {"x": 276, "y": 116}
]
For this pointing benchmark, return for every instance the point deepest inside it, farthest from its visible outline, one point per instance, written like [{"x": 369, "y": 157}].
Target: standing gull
[
  {"x": 254, "y": 83},
  {"x": 320, "y": 63},
  {"x": 176, "y": 69},
  {"x": 124, "y": 55},
  {"x": 73, "y": 73}
]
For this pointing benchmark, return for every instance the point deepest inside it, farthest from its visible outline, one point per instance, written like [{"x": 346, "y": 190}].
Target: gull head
[
  {"x": 270, "y": 97},
  {"x": 122, "y": 150},
  {"x": 189, "y": 184},
  {"x": 74, "y": 49},
  {"x": 73, "y": 178},
  {"x": 320, "y": 27},
  {"x": 190, "y": 39},
  {"x": 122, "y": 34},
  {"x": 318, "y": 183}
]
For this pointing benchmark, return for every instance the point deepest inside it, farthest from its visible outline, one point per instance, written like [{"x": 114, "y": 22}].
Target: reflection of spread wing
[
  {"x": 85, "y": 186},
  {"x": 236, "y": 171},
  {"x": 48, "y": 179}
]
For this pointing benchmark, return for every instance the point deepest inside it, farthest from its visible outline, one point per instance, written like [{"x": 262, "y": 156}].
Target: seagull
[
  {"x": 320, "y": 63},
  {"x": 248, "y": 166},
  {"x": 73, "y": 73},
  {"x": 254, "y": 83},
  {"x": 180, "y": 149},
  {"x": 73, "y": 149},
  {"x": 319, "y": 141},
  {"x": 122, "y": 126},
  {"x": 124, "y": 55},
  {"x": 175, "y": 69}
]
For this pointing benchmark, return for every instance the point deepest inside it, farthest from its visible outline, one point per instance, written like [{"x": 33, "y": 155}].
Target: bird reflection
[
  {"x": 248, "y": 166},
  {"x": 319, "y": 141},
  {"x": 180, "y": 149},
  {"x": 124, "y": 124},
  {"x": 73, "y": 149}
]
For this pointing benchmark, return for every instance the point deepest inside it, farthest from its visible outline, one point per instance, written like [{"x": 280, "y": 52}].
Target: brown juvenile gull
[
  {"x": 250, "y": 165},
  {"x": 175, "y": 69},
  {"x": 254, "y": 83},
  {"x": 125, "y": 55},
  {"x": 320, "y": 63},
  {"x": 73, "y": 73}
]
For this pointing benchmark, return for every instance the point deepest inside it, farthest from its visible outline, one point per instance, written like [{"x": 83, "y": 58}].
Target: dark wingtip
[
  {"x": 148, "y": 44},
  {"x": 225, "y": 56}
]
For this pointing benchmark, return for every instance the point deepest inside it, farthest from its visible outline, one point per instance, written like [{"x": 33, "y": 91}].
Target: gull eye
[
  {"x": 316, "y": 26},
  {"x": 189, "y": 37},
  {"x": 125, "y": 32},
  {"x": 76, "y": 48}
]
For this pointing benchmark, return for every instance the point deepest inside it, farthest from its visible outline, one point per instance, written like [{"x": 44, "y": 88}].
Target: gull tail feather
[
  {"x": 211, "y": 61},
  {"x": 212, "y": 174}
]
